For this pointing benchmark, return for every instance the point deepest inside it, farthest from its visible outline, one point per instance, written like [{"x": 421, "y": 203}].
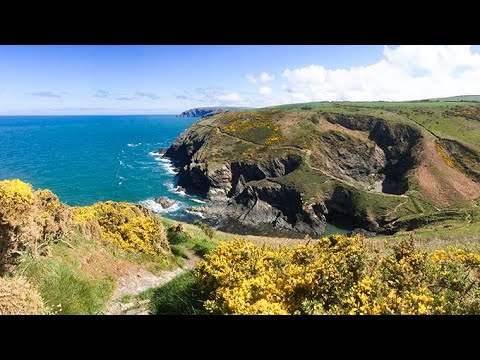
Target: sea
[{"x": 86, "y": 159}]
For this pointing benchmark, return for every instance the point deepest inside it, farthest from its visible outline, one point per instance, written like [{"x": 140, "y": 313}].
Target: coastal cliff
[{"x": 293, "y": 171}]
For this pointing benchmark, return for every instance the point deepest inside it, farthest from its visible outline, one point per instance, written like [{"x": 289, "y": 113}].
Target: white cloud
[
  {"x": 405, "y": 73},
  {"x": 234, "y": 97},
  {"x": 263, "y": 78},
  {"x": 265, "y": 90},
  {"x": 251, "y": 78},
  {"x": 266, "y": 77}
]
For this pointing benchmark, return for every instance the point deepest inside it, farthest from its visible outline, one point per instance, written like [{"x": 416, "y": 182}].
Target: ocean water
[{"x": 85, "y": 159}]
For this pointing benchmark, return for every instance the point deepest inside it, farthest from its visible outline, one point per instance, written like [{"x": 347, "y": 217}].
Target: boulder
[{"x": 165, "y": 201}]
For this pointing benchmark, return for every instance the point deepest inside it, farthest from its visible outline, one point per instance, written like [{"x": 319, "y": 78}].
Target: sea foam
[
  {"x": 197, "y": 213},
  {"x": 157, "y": 208}
]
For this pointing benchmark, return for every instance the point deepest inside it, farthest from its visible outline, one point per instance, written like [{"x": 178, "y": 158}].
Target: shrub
[
  {"x": 244, "y": 279},
  {"x": 176, "y": 235},
  {"x": 28, "y": 221},
  {"x": 19, "y": 297},
  {"x": 335, "y": 275},
  {"x": 131, "y": 226}
]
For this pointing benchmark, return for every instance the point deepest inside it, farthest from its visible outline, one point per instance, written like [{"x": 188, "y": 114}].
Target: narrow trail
[
  {"x": 396, "y": 208},
  {"x": 140, "y": 280}
]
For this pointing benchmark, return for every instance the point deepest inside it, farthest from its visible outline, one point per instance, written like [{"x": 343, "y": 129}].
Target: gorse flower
[
  {"x": 128, "y": 225},
  {"x": 335, "y": 275}
]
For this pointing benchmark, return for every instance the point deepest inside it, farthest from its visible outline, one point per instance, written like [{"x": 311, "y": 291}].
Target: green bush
[{"x": 176, "y": 235}]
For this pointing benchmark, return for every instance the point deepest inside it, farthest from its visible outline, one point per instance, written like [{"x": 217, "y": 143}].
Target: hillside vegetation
[
  {"x": 70, "y": 257},
  {"x": 384, "y": 167},
  {"x": 62, "y": 260}
]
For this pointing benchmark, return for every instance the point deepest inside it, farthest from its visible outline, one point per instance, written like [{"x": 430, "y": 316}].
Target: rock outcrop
[{"x": 165, "y": 202}]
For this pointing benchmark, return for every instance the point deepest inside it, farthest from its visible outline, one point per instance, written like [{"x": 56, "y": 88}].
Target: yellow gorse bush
[
  {"x": 15, "y": 192},
  {"x": 128, "y": 225},
  {"x": 244, "y": 279},
  {"x": 335, "y": 275},
  {"x": 28, "y": 221},
  {"x": 448, "y": 159}
]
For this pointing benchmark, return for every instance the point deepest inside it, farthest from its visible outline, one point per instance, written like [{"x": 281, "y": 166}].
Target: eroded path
[{"x": 137, "y": 281}]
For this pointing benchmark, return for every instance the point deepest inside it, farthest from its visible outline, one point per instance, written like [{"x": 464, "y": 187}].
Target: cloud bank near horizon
[{"x": 405, "y": 73}]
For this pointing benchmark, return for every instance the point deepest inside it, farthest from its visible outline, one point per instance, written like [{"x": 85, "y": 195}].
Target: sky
[{"x": 57, "y": 80}]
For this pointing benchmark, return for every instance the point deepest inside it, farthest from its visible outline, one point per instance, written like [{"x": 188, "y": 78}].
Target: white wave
[
  {"x": 167, "y": 165},
  {"x": 157, "y": 208},
  {"x": 198, "y": 213},
  {"x": 174, "y": 189},
  {"x": 121, "y": 178},
  {"x": 120, "y": 183},
  {"x": 153, "y": 153},
  {"x": 134, "y": 145},
  {"x": 199, "y": 201},
  {"x": 121, "y": 162}
]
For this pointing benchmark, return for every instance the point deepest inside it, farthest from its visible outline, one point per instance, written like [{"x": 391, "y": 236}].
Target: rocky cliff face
[
  {"x": 394, "y": 153},
  {"x": 244, "y": 192}
]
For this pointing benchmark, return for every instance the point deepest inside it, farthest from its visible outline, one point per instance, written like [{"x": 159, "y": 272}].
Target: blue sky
[{"x": 170, "y": 79}]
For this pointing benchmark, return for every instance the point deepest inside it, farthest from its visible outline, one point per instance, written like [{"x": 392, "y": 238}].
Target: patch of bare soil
[
  {"x": 95, "y": 263},
  {"x": 440, "y": 183},
  {"x": 288, "y": 122}
]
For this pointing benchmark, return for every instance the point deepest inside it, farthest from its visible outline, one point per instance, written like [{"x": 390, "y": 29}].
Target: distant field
[{"x": 430, "y": 114}]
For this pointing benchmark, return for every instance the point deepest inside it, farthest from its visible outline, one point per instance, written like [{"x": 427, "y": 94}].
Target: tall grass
[
  {"x": 180, "y": 296},
  {"x": 61, "y": 281}
]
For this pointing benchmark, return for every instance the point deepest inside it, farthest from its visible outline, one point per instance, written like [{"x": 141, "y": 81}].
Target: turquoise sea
[{"x": 85, "y": 159}]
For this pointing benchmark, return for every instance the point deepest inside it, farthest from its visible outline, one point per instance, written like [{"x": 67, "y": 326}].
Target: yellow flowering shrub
[
  {"x": 259, "y": 127},
  {"x": 244, "y": 279},
  {"x": 15, "y": 192},
  {"x": 129, "y": 225},
  {"x": 469, "y": 112},
  {"x": 443, "y": 154},
  {"x": 335, "y": 275},
  {"x": 28, "y": 220}
]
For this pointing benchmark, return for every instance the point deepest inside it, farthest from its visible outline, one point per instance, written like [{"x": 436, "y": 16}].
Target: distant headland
[{"x": 210, "y": 111}]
